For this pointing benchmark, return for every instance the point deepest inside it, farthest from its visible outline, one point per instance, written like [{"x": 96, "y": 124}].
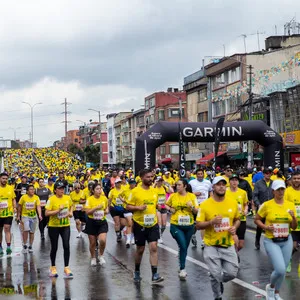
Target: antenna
[
  {"x": 258, "y": 41},
  {"x": 66, "y": 113},
  {"x": 292, "y": 27}
]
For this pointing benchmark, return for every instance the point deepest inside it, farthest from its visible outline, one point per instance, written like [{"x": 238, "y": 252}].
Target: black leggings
[
  {"x": 44, "y": 222},
  {"x": 54, "y": 233}
]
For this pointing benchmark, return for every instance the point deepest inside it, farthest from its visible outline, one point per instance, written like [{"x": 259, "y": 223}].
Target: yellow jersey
[
  {"x": 169, "y": 180},
  {"x": 92, "y": 202},
  {"x": 278, "y": 216},
  {"x": 218, "y": 235},
  {"x": 29, "y": 205},
  {"x": 139, "y": 197},
  {"x": 161, "y": 194},
  {"x": 50, "y": 187},
  {"x": 7, "y": 195},
  {"x": 183, "y": 215},
  {"x": 113, "y": 196},
  {"x": 293, "y": 196},
  {"x": 240, "y": 196},
  {"x": 76, "y": 197},
  {"x": 125, "y": 194},
  {"x": 61, "y": 219}
]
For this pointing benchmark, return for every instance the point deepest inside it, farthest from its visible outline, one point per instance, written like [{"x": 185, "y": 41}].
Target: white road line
[{"x": 203, "y": 265}]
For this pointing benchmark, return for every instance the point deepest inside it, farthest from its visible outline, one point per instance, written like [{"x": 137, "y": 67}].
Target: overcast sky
[{"x": 109, "y": 55}]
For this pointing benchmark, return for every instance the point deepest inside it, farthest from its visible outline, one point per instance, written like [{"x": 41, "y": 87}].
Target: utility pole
[
  {"x": 250, "y": 143},
  {"x": 66, "y": 113}
]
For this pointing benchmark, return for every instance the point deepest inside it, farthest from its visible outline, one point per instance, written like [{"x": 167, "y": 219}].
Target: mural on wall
[{"x": 263, "y": 81}]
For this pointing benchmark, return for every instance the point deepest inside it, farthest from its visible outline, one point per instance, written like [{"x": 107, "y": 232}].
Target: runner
[
  {"x": 143, "y": 204},
  {"x": 59, "y": 210},
  {"x": 8, "y": 207},
  {"x": 116, "y": 207},
  {"x": 162, "y": 191},
  {"x": 280, "y": 216},
  {"x": 233, "y": 192},
  {"x": 183, "y": 205},
  {"x": 219, "y": 216},
  {"x": 96, "y": 209},
  {"x": 127, "y": 214},
  {"x": 21, "y": 188},
  {"x": 201, "y": 188},
  {"x": 28, "y": 205},
  {"x": 292, "y": 194},
  {"x": 50, "y": 185},
  {"x": 43, "y": 193},
  {"x": 78, "y": 200}
]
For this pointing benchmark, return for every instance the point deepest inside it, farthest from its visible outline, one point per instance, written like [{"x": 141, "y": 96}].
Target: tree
[
  {"x": 92, "y": 153},
  {"x": 15, "y": 145}
]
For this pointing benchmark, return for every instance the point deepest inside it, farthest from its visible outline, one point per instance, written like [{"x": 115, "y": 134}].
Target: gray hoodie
[{"x": 261, "y": 192}]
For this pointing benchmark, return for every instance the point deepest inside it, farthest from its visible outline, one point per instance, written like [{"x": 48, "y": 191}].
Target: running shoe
[
  {"x": 160, "y": 241},
  {"x": 128, "y": 244},
  {"x": 257, "y": 245},
  {"x": 157, "y": 279},
  {"x": 270, "y": 292},
  {"x": 79, "y": 235},
  {"x": 137, "y": 277},
  {"x": 182, "y": 274},
  {"x": 194, "y": 240},
  {"x": 42, "y": 236},
  {"x": 1, "y": 251},
  {"x": 132, "y": 241},
  {"x": 53, "y": 272},
  {"x": 93, "y": 262},
  {"x": 68, "y": 273},
  {"x": 289, "y": 267},
  {"x": 102, "y": 261},
  {"x": 277, "y": 297},
  {"x": 30, "y": 250},
  {"x": 8, "y": 251},
  {"x": 24, "y": 250},
  {"x": 119, "y": 238}
]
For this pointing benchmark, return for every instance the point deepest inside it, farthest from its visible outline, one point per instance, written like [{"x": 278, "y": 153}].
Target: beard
[
  {"x": 220, "y": 194},
  {"x": 147, "y": 182}
]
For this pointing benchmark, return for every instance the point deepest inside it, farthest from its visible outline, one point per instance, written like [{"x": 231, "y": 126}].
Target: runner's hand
[
  {"x": 40, "y": 218},
  {"x": 291, "y": 212},
  {"x": 189, "y": 204},
  {"x": 270, "y": 228},
  {"x": 143, "y": 207},
  {"x": 217, "y": 220},
  {"x": 70, "y": 215},
  {"x": 100, "y": 206},
  {"x": 61, "y": 207},
  {"x": 232, "y": 230}
]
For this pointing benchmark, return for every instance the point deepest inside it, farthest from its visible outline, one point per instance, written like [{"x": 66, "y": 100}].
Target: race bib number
[
  {"x": 119, "y": 201},
  {"x": 184, "y": 220},
  {"x": 23, "y": 191},
  {"x": 161, "y": 200},
  {"x": 224, "y": 226},
  {"x": 3, "y": 204},
  {"x": 281, "y": 230},
  {"x": 43, "y": 202},
  {"x": 63, "y": 213},
  {"x": 298, "y": 210},
  {"x": 149, "y": 220},
  {"x": 98, "y": 214},
  {"x": 78, "y": 207},
  {"x": 201, "y": 197},
  {"x": 30, "y": 205}
]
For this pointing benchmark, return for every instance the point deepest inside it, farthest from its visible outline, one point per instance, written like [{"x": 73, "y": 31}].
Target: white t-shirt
[{"x": 204, "y": 187}]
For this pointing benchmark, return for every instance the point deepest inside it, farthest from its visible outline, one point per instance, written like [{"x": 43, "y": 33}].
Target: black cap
[
  {"x": 3, "y": 174},
  {"x": 267, "y": 170},
  {"x": 59, "y": 185},
  {"x": 131, "y": 181},
  {"x": 234, "y": 176}
]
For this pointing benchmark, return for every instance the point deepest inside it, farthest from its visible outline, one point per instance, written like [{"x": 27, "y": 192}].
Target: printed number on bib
[
  {"x": 119, "y": 201},
  {"x": 30, "y": 205},
  {"x": 224, "y": 226},
  {"x": 161, "y": 200},
  {"x": 149, "y": 220},
  {"x": 98, "y": 214},
  {"x": 43, "y": 202},
  {"x": 297, "y": 210},
  {"x": 281, "y": 230},
  {"x": 3, "y": 204},
  {"x": 184, "y": 220},
  {"x": 78, "y": 207},
  {"x": 63, "y": 213}
]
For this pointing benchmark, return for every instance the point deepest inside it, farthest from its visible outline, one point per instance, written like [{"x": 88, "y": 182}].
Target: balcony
[{"x": 125, "y": 129}]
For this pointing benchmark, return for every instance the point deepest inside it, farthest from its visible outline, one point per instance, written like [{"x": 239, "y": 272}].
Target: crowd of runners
[{"x": 142, "y": 205}]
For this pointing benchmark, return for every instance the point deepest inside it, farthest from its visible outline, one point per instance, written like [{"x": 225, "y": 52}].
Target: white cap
[
  {"x": 218, "y": 179},
  {"x": 167, "y": 172},
  {"x": 118, "y": 180},
  {"x": 277, "y": 184}
]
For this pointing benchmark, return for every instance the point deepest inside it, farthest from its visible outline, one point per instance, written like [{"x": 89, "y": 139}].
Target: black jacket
[
  {"x": 244, "y": 185},
  {"x": 262, "y": 192}
]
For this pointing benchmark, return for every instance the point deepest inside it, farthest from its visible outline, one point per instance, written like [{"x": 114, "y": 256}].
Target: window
[
  {"x": 232, "y": 104},
  {"x": 76, "y": 140},
  {"x": 161, "y": 115},
  {"x": 203, "y": 117},
  {"x": 174, "y": 113},
  {"x": 202, "y": 95},
  {"x": 110, "y": 143},
  {"x": 110, "y": 155},
  {"x": 219, "y": 108},
  {"x": 146, "y": 104},
  {"x": 152, "y": 102},
  {"x": 174, "y": 149},
  {"x": 162, "y": 150}
]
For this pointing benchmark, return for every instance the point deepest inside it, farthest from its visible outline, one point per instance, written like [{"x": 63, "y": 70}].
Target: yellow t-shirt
[
  {"x": 113, "y": 196},
  {"x": 36, "y": 185},
  {"x": 86, "y": 193},
  {"x": 71, "y": 179},
  {"x": 140, "y": 196},
  {"x": 278, "y": 215},
  {"x": 51, "y": 188},
  {"x": 125, "y": 194},
  {"x": 227, "y": 181},
  {"x": 183, "y": 215},
  {"x": 7, "y": 195},
  {"x": 169, "y": 180},
  {"x": 218, "y": 235},
  {"x": 61, "y": 219},
  {"x": 138, "y": 179},
  {"x": 29, "y": 205},
  {"x": 92, "y": 202},
  {"x": 241, "y": 198},
  {"x": 161, "y": 194},
  {"x": 293, "y": 196},
  {"x": 76, "y": 197}
]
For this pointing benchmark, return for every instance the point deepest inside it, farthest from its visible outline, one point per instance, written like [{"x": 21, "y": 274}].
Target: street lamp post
[
  {"x": 84, "y": 139},
  {"x": 100, "y": 137},
  {"x": 15, "y": 132},
  {"x": 31, "y": 115}
]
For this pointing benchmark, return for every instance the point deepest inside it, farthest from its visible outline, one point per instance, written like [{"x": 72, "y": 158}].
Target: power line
[{"x": 23, "y": 118}]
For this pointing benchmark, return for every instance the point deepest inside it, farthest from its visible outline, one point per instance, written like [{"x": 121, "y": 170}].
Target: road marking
[{"x": 203, "y": 265}]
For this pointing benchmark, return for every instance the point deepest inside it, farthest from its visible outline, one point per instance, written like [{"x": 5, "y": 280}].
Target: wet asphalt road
[{"x": 26, "y": 276}]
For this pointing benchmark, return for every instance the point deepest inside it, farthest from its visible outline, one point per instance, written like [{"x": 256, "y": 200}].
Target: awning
[
  {"x": 239, "y": 156},
  {"x": 166, "y": 161},
  {"x": 258, "y": 156},
  {"x": 210, "y": 156}
]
